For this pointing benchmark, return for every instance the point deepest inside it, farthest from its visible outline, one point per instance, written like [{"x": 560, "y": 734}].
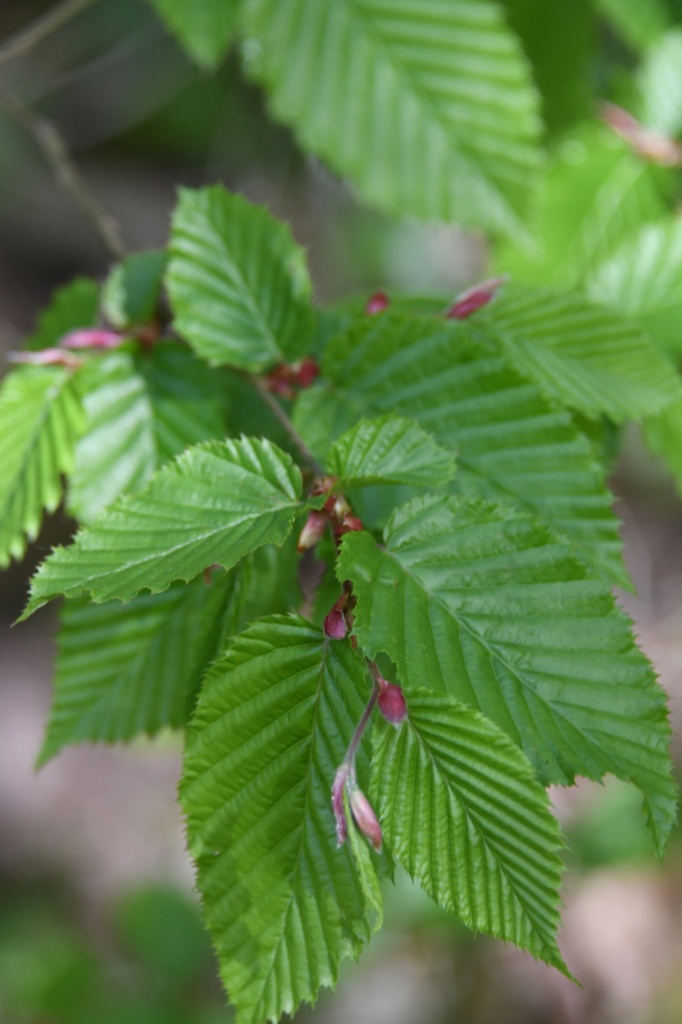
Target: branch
[
  {"x": 279, "y": 413},
  {"x": 50, "y": 142},
  {"x": 24, "y": 41}
]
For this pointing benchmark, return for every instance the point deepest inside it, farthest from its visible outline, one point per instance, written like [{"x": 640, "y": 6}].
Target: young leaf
[
  {"x": 389, "y": 450},
  {"x": 214, "y": 504},
  {"x": 643, "y": 281},
  {"x": 429, "y": 109},
  {"x": 141, "y": 411},
  {"x": 237, "y": 281},
  {"x": 481, "y": 601},
  {"x": 203, "y": 27},
  {"x": 73, "y": 306},
  {"x": 283, "y": 903},
  {"x": 510, "y": 441},
  {"x": 135, "y": 669},
  {"x": 660, "y": 107},
  {"x": 40, "y": 419},
  {"x": 463, "y": 813},
  {"x": 589, "y": 359},
  {"x": 131, "y": 292}
]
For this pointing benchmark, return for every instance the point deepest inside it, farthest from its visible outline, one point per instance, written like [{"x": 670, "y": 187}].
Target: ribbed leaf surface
[
  {"x": 596, "y": 196},
  {"x": 141, "y": 411},
  {"x": 428, "y": 108},
  {"x": 510, "y": 442},
  {"x": 463, "y": 813},
  {"x": 75, "y": 305},
  {"x": 202, "y": 27},
  {"x": 479, "y": 600},
  {"x": 40, "y": 418},
  {"x": 213, "y": 505},
  {"x": 589, "y": 359},
  {"x": 389, "y": 450},
  {"x": 238, "y": 283},
  {"x": 135, "y": 669},
  {"x": 284, "y": 905},
  {"x": 643, "y": 280}
]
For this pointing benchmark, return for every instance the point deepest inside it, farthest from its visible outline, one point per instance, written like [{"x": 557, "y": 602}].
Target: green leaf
[
  {"x": 40, "y": 419},
  {"x": 481, "y": 601},
  {"x": 73, "y": 306},
  {"x": 135, "y": 669},
  {"x": 510, "y": 441},
  {"x": 427, "y": 108},
  {"x": 643, "y": 280},
  {"x": 141, "y": 411},
  {"x": 596, "y": 195},
  {"x": 284, "y": 905},
  {"x": 131, "y": 292},
  {"x": 237, "y": 281},
  {"x": 587, "y": 358},
  {"x": 214, "y": 504},
  {"x": 203, "y": 27},
  {"x": 660, "y": 88},
  {"x": 463, "y": 813},
  {"x": 639, "y": 23},
  {"x": 389, "y": 450}
]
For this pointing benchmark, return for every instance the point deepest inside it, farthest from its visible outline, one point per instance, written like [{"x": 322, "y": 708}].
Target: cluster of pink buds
[
  {"x": 361, "y": 809},
  {"x": 474, "y": 298},
  {"x": 335, "y": 513},
  {"x": 286, "y": 379}
]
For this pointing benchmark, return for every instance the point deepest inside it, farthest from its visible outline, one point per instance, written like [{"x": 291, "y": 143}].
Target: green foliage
[
  {"x": 450, "y": 780},
  {"x": 237, "y": 282},
  {"x": 640, "y": 23},
  {"x": 478, "y": 600},
  {"x": 660, "y": 106},
  {"x": 274, "y": 720},
  {"x": 203, "y": 27},
  {"x": 75, "y": 305},
  {"x": 427, "y": 108},
  {"x": 40, "y": 419},
  {"x": 131, "y": 293}
]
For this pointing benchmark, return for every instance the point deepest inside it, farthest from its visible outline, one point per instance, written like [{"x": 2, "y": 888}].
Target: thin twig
[
  {"x": 362, "y": 724},
  {"x": 277, "y": 411},
  {"x": 25, "y": 40},
  {"x": 49, "y": 140}
]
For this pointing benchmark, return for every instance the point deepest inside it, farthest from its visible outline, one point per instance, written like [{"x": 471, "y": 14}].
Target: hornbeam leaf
[
  {"x": 428, "y": 108},
  {"x": 141, "y": 411},
  {"x": 40, "y": 418},
  {"x": 643, "y": 280},
  {"x": 131, "y": 292},
  {"x": 510, "y": 441},
  {"x": 214, "y": 504},
  {"x": 203, "y": 27},
  {"x": 389, "y": 450},
  {"x": 481, "y": 601},
  {"x": 463, "y": 813},
  {"x": 135, "y": 669},
  {"x": 585, "y": 357},
  {"x": 237, "y": 281},
  {"x": 283, "y": 903},
  {"x": 73, "y": 306}
]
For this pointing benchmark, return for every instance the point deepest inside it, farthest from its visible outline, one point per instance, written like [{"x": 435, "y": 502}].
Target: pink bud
[
  {"x": 475, "y": 298},
  {"x": 313, "y": 530},
  {"x": 307, "y": 371},
  {"x": 364, "y": 816},
  {"x": 392, "y": 703},
  {"x": 341, "y": 507},
  {"x": 377, "y": 303},
  {"x": 46, "y": 357},
  {"x": 340, "y": 780},
  {"x": 335, "y": 625},
  {"x": 92, "y": 337}
]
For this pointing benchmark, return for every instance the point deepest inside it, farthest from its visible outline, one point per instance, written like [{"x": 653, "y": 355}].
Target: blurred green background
[{"x": 98, "y": 921}]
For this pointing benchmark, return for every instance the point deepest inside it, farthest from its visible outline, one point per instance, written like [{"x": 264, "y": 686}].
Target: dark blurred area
[{"x": 98, "y": 922}]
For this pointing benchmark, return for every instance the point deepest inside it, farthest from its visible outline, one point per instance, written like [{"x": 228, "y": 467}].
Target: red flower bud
[
  {"x": 335, "y": 625},
  {"x": 92, "y": 337},
  {"x": 377, "y": 303},
  {"x": 392, "y": 703},
  {"x": 313, "y": 530},
  {"x": 306, "y": 372},
  {"x": 475, "y": 298},
  {"x": 364, "y": 816}
]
